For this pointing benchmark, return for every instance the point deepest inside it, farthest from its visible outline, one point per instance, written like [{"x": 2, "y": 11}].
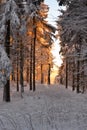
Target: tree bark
[
  {"x": 78, "y": 76},
  {"x": 49, "y": 74},
  {"x": 73, "y": 77},
  {"x": 17, "y": 76},
  {"x": 6, "y": 94},
  {"x": 83, "y": 77},
  {"x": 27, "y": 74},
  {"x": 13, "y": 76},
  {"x": 41, "y": 73},
  {"x": 66, "y": 73},
  {"x": 31, "y": 67},
  {"x": 21, "y": 68},
  {"x": 34, "y": 46}
]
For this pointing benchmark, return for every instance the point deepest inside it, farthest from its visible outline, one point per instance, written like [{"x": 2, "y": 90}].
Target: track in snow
[{"x": 49, "y": 108}]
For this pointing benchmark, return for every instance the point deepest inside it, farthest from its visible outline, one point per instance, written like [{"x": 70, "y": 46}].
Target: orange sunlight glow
[
  {"x": 55, "y": 51},
  {"x": 57, "y": 60}
]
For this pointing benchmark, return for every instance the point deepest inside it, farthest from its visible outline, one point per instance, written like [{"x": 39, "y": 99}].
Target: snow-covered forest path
[{"x": 49, "y": 108}]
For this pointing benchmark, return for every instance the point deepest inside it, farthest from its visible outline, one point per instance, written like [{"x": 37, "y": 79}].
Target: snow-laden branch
[
  {"x": 17, "y": 19},
  {"x": 5, "y": 67}
]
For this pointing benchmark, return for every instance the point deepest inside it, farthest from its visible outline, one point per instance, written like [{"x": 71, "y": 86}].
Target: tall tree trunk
[
  {"x": 31, "y": 67},
  {"x": 49, "y": 74},
  {"x": 6, "y": 94},
  {"x": 83, "y": 77},
  {"x": 78, "y": 75},
  {"x": 34, "y": 45},
  {"x": 21, "y": 68},
  {"x": 13, "y": 76},
  {"x": 41, "y": 73},
  {"x": 66, "y": 73},
  {"x": 17, "y": 75},
  {"x": 27, "y": 74},
  {"x": 73, "y": 77}
]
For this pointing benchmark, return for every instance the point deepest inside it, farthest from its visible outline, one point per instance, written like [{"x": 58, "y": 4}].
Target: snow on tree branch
[
  {"x": 5, "y": 67},
  {"x": 18, "y": 21},
  {"x": 73, "y": 22}
]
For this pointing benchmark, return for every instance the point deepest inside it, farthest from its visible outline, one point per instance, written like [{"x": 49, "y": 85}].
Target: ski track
[{"x": 49, "y": 108}]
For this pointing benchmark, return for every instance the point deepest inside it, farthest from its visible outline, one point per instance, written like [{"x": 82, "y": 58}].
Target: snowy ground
[{"x": 49, "y": 108}]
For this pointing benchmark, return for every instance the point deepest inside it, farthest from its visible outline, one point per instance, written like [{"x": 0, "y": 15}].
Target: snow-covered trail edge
[{"x": 49, "y": 108}]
